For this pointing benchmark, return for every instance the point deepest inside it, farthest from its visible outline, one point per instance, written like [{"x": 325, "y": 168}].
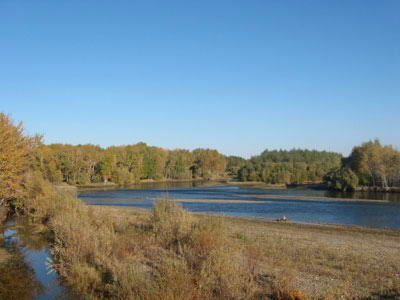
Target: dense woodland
[
  {"x": 288, "y": 167},
  {"x": 370, "y": 164},
  {"x": 85, "y": 164}
]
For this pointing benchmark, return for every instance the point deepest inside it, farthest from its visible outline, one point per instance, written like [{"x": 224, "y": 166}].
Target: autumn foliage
[{"x": 15, "y": 158}]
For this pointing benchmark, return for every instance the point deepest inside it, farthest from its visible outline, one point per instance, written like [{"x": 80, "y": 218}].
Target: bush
[{"x": 342, "y": 179}]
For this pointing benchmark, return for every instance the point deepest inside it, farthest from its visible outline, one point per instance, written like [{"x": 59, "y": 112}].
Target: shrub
[{"x": 342, "y": 179}]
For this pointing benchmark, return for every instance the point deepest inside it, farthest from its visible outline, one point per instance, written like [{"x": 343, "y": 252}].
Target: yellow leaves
[
  {"x": 380, "y": 164},
  {"x": 15, "y": 151}
]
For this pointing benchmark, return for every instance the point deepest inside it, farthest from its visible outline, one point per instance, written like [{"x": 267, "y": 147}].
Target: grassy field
[
  {"x": 324, "y": 261},
  {"x": 329, "y": 260}
]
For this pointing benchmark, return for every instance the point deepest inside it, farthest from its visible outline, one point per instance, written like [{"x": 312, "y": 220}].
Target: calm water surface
[
  {"x": 36, "y": 254},
  {"x": 364, "y": 213}
]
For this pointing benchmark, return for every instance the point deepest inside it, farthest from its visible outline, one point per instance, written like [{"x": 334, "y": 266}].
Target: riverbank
[
  {"x": 375, "y": 189},
  {"x": 131, "y": 253},
  {"x": 256, "y": 184},
  {"x": 128, "y": 253},
  {"x": 315, "y": 186},
  {"x": 165, "y": 253},
  {"x": 102, "y": 185},
  {"x": 322, "y": 260},
  {"x": 314, "y": 198},
  {"x": 214, "y": 201}
]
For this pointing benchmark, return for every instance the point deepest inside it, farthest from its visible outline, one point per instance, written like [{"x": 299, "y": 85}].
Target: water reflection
[
  {"x": 293, "y": 203},
  {"x": 293, "y": 191},
  {"x": 392, "y": 197},
  {"x": 29, "y": 241},
  {"x": 17, "y": 278}
]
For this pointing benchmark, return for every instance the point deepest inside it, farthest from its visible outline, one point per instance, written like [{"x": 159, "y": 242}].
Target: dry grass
[
  {"x": 4, "y": 256},
  {"x": 166, "y": 254},
  {"x": 169, "y": 253},
  {"x": 320, "y": 261},
  {"x": 327, "y": 261}
]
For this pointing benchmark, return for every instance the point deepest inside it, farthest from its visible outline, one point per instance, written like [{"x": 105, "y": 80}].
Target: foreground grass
[
  {"x": 169, "y": 253},
  {"x": 324, "y": 261},
  {"x": 327, "y": 261}
]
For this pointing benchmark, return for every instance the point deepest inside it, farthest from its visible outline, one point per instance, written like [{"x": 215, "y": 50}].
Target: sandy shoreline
[
  {"x": 216, "y": 201},
  {"x": 312, "y": 198}
]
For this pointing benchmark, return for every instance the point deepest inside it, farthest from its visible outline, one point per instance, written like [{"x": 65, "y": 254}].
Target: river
[{"x": 299, "y": 205}]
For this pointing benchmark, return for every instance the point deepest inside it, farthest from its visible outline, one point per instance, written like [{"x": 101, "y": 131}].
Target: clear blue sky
[{"x": 237, "y": 76}]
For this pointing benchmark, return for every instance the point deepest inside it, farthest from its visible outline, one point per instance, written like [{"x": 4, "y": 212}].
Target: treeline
[
  {"x": 86, "y": 164},
  {"x": 371, "y": 164},
  {"x": 286, "y": 166}
]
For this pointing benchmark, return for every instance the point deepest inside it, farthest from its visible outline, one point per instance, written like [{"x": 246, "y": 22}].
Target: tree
[
  {"x": 107, "y": 166},
  {"x": 289, "y": 167},
  {"x": 15, "y": 158},
  {"x": 234, "y": 163},
  {"x": 342, "y": 179},
  {"x": 375, "y": 164}
]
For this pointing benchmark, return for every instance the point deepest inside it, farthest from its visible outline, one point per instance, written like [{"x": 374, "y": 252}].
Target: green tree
[
  {"x": 376, "y": 165},
  {"x": 342, "y": 179}
]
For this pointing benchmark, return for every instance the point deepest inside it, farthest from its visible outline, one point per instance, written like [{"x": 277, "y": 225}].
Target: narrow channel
[{"x": 35, "y": 250}]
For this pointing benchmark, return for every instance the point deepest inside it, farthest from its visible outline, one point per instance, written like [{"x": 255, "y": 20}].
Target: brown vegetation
[
  {"x": 326, "y": 261},
  {"x": 15, "y": 159},
  {"x": 168, "y": 254}
]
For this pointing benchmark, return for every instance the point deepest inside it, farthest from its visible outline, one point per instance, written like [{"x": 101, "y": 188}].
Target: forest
[
  {"x": 369, "y": 165},
  {"x": 86, "y": 164},
  {"x": 288, "y": 166}
]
